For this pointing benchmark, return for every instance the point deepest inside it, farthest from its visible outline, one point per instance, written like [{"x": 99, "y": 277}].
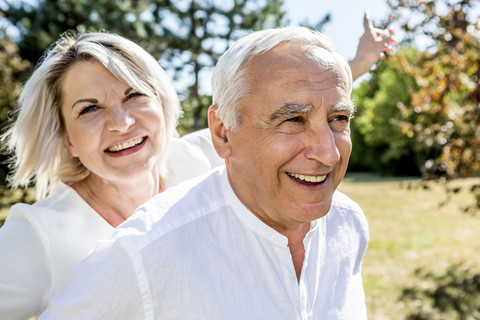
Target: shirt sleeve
[
  {"x": 104, "y": 286},
  {"x": 25, "y": 271}
]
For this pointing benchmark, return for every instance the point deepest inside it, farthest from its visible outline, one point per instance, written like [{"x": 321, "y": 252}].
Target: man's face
[{"x": 292, "y": 147}]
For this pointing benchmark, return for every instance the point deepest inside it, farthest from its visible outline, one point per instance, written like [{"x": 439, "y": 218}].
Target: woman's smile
[{"x": 127, "y": 145}]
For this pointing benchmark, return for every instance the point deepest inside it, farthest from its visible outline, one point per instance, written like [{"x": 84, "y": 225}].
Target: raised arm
[{"x": 372, "y": 46}]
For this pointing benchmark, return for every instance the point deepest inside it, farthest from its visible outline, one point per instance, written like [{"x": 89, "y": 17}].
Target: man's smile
[{"x": 307, "y": 178}]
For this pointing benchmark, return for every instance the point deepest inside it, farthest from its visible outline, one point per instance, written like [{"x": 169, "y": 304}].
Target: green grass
[{"x": 410, "y": 229}]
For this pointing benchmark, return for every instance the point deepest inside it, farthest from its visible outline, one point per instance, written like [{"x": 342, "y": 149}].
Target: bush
[{"x": 454, "y": 294}]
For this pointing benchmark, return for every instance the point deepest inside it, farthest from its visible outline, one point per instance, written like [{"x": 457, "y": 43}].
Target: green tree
[
  {"x": 186, "y": 36},
  {"x": 444, "y": 112},
  {"x": 379, "y": 143},
  {"x": 12, "y": 67}
]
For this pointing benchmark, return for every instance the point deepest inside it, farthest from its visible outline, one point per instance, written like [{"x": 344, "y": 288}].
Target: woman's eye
[
  {"x": 134, "y": 95},
  {"x": 88, "y": 109}
]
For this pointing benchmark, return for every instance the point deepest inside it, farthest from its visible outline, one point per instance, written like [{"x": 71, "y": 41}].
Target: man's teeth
[
  {"x": 125, "y": 145},
  {"x": 303, "y": 177}
]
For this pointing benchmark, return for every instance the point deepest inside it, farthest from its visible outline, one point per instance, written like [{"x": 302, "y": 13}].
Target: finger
[
  {"x": 392, "y": 41},
  {"x": 367, "y": 21},
  {"x": 388, "y": 48}
]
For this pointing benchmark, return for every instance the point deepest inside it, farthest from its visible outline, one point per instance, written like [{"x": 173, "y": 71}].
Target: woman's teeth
[
  {"x": 125, "y": 145},
  {"x": 303, "y": 177}
]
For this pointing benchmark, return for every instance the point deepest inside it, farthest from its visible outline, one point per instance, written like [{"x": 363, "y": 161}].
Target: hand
[
  {"x": 375, "y": 41},
  {"x": 373, "y": 45}
]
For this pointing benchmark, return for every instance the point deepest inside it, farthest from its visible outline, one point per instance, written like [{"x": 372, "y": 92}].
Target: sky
[
  {"x": 344, "y": 29},
  {"x": 346, "y": 24}
]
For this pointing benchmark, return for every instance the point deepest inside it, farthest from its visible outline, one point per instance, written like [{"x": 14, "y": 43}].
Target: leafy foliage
[
  {"x": 12, "y": 67},
  {"x": 444, "y": 111},
  {"x": 455, "y": 294},
  {"x": 379, "y": 144}
]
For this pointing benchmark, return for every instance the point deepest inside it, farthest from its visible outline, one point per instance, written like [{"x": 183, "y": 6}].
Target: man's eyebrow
[
  {"x": 347, "y": 106},
  {"x": 290, "y": 109}
]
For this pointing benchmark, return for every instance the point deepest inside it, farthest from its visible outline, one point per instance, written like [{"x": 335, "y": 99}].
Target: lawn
[{"x": 410, "y": 230}]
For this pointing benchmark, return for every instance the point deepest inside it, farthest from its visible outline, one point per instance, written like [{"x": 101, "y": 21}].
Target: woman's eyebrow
[
  {"x": 289, "y": 109},
  {"x": 84, "y": 100},
  {"x": 125, "y": 94}
]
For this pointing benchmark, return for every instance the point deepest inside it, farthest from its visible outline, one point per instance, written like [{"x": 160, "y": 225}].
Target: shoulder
[
  {"x": 58, "y": 201},
  {"x": 167, "y": 212},
  {"x": 342, "y": 201},
  {"x": 190, "y": 156},
  {"x": 346, "y": 211},
  {"x": 202, "y": 141},
  {"x": 65, "y": 223},
  {"x": 63, "y": 201}
]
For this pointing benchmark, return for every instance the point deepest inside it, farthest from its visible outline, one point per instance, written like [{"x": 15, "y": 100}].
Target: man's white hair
[{"x": 230, "y": 83}]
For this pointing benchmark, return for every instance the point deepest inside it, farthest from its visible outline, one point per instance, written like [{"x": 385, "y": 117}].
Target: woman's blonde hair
[{"x": 35, "y": 139}]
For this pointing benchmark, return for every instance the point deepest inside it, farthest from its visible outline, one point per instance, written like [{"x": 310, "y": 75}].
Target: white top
[
  {"x": 41, "y": 243},
  {"x": 195, "y": 252}
]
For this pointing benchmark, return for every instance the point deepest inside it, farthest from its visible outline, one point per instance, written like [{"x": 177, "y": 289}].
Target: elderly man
[{"x": 267, "y": 236}]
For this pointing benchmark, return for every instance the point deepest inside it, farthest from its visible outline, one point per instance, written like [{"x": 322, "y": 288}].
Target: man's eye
[
  {"x": 342, "y": 118},
  {"x": 88, "y": 109},
  {"x": 340, "y": 123},
  {"x": 294, "y": 119}
]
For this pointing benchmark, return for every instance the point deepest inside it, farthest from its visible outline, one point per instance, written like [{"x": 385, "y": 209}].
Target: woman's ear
[
  {"x": 68, "y": 144},
  {"x": 219, "y": 133}
]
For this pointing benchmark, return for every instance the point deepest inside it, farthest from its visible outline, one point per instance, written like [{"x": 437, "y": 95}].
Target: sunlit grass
[{"x": 410, "y": 229}]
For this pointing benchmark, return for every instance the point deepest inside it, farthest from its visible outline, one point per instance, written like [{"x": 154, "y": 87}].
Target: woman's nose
[{"x": 120, "y": 120}]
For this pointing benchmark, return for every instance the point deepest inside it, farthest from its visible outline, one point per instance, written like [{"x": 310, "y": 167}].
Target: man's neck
[{"x": 297, "y": 249}]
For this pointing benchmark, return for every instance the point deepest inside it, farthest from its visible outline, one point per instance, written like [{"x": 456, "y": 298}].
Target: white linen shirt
[
  {"x": 195, "y": 252},
  {"x": 40, "y": 244}
]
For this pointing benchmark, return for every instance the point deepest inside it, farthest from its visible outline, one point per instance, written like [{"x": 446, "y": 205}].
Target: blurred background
[{"x": 415, "y": 165}]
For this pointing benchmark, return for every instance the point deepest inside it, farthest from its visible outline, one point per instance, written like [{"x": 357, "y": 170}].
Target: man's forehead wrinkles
[{"x": 307, "y": 83}]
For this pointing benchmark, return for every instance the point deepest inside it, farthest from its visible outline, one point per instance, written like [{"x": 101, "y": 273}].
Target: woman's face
[{"x": 115, "y": 131}]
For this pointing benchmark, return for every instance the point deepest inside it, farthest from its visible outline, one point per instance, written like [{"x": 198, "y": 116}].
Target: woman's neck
[{"x": 115, "y": 201}]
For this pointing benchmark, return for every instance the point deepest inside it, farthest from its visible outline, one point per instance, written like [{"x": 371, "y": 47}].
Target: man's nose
[{"x": 322, "y": 146}]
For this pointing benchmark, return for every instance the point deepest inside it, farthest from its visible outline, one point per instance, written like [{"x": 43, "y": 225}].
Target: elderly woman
[{"x": 95, "y": 133}]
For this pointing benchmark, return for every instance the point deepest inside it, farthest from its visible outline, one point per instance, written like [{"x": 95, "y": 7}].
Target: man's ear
[
  {"x": 219, "y": 133},
  {"x": 69, "y": 145}
]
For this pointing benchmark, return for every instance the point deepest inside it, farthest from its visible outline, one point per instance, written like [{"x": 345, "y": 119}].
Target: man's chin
[{"x": 311, "y": 212}]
